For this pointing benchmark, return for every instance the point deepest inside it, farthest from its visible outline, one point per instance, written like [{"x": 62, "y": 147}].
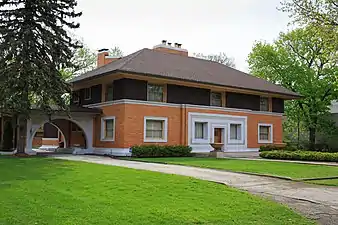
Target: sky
[{"x": 201, "y": 26}]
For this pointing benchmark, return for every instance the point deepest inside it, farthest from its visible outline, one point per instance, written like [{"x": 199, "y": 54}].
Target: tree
[
  {"x": 220, "y": 58},
  {"x": 84, "y": 60},
  {"x": 8, "y": 136},
  {"x": 300, "y": 61},
  {"x": 321, "y": 12},
  {"x": 116, "y": 52},
  {"x": 35, "y": 47}
]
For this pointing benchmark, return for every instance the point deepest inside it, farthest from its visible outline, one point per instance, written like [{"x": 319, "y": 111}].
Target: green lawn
[
  {"x": 333, "y": 182},
  {"x": 292, "y": 170},
  {"x": 47, "y": 191}
]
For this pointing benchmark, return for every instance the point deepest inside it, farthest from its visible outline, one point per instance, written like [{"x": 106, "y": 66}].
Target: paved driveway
[{"x": 316, "y": 202}]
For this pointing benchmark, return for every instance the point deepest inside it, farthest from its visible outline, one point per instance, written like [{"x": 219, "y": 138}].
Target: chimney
[
  {"x": 168, "y": 48},
  {"x": 103, "y": 57}
]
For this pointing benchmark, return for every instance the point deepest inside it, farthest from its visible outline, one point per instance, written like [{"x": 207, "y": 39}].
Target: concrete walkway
[{"x": 316, "y": 202}]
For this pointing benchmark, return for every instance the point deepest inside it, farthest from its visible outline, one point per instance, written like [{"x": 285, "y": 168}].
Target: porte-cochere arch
[{"x": 82, "y": 117}]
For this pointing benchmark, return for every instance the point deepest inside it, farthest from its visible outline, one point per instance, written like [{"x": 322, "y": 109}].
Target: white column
[{"x": 29, "y": 138}]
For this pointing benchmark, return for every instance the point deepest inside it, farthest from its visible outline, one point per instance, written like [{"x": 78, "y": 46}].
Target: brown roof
[{"x": 166, "y": 65}]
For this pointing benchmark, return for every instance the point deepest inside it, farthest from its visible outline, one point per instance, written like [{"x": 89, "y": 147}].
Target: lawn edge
[{"x": 239, "y": 172}]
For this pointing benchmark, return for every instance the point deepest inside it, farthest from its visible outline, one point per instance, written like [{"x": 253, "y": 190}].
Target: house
[{"x": 163, "y": 96}]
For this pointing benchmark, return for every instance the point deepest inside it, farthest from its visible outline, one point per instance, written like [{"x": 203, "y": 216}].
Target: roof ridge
[{"x": 135, "y": 54}]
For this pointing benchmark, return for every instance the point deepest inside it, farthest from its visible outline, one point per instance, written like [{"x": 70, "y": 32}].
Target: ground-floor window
[
  {"x": 265, "y": 133},
  {"x": 201, "y": 130},
  {"x": 235, "y": 131},
  {"x": 155, "y": 129},
  {"x": 108, "y": 129}
]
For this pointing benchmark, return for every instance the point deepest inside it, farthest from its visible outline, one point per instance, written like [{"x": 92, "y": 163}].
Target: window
[
  {"x": 265, "y": 133},
  {"x": 155, "y": 129},
  {"x": 108, "y": 128},
  {"x": 76, "y": 98},
  {"x": 88, "y": 93},
  {"x": 155, "y": 92},
  {"x": 216, "y": 99},
  {"x": 109, "y": 92},
  {"x": 264, "y": 104},
  {"x": 75, "y": 128},
  {"x": 235, "y": 131},
  {"x": 201, "y": 129}
]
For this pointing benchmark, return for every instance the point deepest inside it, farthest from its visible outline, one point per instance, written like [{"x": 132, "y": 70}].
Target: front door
[{"x": 218, "y": 134}]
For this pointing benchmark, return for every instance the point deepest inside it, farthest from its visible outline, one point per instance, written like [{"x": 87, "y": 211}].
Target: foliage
[
  {"x": 35, "y": 47},
  {"x": 301, "y": 155},
  {"x": 84, "y": 60},
  {"x": 265, "y": 148},
  {"x": 116, "y": 52},
  {"x": 161, "y": 151},
  {"x": 76, "y": 193},
  {"x": 220, "y": 58},
  {"x": 322, "y": 12},
  {"x": 302, "y": 62},
  {"x": 7, "y": 136},
  {"x": 285, "y": 169}
]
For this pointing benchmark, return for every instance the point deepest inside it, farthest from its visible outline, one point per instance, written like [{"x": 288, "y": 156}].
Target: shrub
[
  {"x": 300, "y": 155},
  {"x": 266, "y": 148},
  {"x": 142, "y": 151}
]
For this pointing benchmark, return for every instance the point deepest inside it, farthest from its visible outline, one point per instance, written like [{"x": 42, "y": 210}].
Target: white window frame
[
  {"x": 103, "y": 128},
  {"x": 165, "y": 129},
  {"x": 207, "y": 130},
  {"x": 241, "y": 141},
  {"x": 271, "y": 133},
  {"x": 90, "y": 93}
]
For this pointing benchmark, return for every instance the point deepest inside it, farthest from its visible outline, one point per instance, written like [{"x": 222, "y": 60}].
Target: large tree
[
  {"x": 322, "y": 12},
  {"x": 35, "y": 46},
  {"x": 300, "y": 61},
  {"x": 220, "y": 58}
]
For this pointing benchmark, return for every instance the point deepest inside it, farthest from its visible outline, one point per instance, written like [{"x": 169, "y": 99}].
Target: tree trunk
[
  {"x": 312, "y": 138},
  {"x": 22, "y": 126}
]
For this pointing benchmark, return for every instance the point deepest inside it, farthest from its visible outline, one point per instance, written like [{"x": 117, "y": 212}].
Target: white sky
[{"x": 206, "y": 26}]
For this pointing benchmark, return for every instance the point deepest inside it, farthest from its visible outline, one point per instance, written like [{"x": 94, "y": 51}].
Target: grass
[
  {"x": 285, "y": 169},
  {"x": 50, "y": 191},
  {"x": 327, "y": 182}
]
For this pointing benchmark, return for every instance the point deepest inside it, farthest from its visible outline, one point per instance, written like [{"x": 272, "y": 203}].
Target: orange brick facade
[{"x": 129, "y": 124}]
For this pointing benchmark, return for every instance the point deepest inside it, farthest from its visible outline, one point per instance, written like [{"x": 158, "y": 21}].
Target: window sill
[
  {"x": 235, "y": 141},
  {"x": 264, "y": 142},
  {"x": 200, "y": 141},
  {"x": 107, "y": 140},
  {"x": 155, "y": 140}
]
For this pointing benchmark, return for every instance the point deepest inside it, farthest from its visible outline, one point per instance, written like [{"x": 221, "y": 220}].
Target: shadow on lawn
[{"x": 32, "y": 168}]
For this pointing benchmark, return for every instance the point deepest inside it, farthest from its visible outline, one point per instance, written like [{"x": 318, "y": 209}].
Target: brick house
[{"x": 163, "y": 96}]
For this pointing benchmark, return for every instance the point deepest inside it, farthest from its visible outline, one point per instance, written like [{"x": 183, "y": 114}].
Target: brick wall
[{"x": 129, "y": 127}]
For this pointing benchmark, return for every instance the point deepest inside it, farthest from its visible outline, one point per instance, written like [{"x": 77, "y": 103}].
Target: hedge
[
  {"x": 300, "y": 155},
  {"x": 265, "y": 148},
  {"x": 142, "y": 151}
]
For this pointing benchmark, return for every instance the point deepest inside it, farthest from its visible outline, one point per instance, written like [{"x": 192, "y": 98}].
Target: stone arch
[{"x": 84, "y": 123}]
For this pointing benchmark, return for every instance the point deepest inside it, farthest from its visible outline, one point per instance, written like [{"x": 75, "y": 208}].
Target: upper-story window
[
  {"x": 155, "y": 92},
  {"x": 216, "y": 99},
  {"x": 75, "y": 96},
  {"x": 109, "y": 92},
  {"x": 264, "y": 104},
  {"x": 87, "y": 93}
]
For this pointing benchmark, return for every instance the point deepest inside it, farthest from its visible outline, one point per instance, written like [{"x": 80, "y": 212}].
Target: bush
[
  {"x": 300, "y": 155},
  {"x": 266, "y": 148},
  {"x": 142, "y": 151}
]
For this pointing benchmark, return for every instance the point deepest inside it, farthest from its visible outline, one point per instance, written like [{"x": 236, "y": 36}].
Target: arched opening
[{"x": 59, "y": 134}]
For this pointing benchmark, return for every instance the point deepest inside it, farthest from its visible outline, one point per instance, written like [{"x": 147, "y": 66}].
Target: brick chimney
[
  {"x": 169, "y": 48},
  {"x": 103, "y": 57}
]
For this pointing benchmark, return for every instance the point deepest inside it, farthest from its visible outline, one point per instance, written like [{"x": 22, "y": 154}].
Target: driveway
[{"x": 316, "y": 202}]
